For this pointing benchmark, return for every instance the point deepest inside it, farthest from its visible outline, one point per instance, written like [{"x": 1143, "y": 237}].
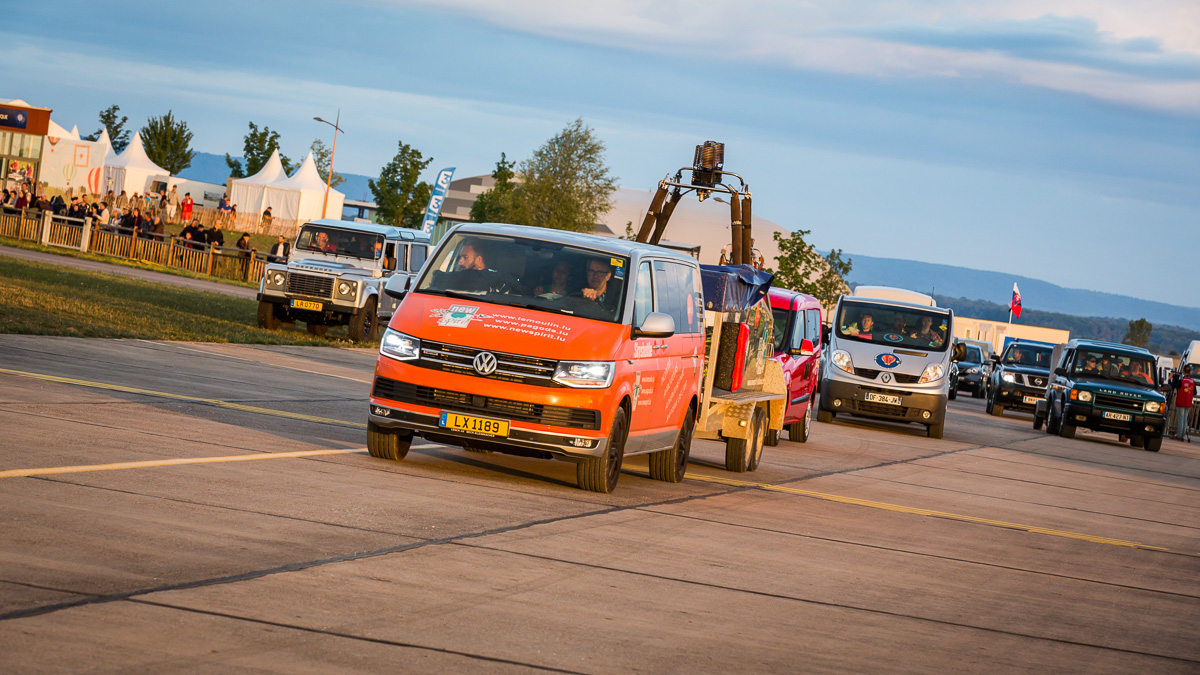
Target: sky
[{"x": 1057, "y": 139}]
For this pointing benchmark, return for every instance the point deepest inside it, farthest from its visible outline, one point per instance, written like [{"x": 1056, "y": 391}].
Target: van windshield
[
  {"x": 320, "y": 239},
  {"x": 893, "y": 326},
  {"x": 528, "y": 273},
  {"x": 1099, "y": 365}
]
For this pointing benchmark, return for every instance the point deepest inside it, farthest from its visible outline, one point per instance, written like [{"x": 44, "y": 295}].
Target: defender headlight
[
  {"x": 1008, "y": 377},
  {"x": 347, "y": 288},
  {"x": 275, "y": 278},
  {"x": 1153, "y": 407},
  {"x": 399, "y": 346},
  {"x": 842, "y": 360},
  {"x": 585, "y": 374},
  {"x": 933, "y": 373},
  {"x": 1085, "y": 396}
]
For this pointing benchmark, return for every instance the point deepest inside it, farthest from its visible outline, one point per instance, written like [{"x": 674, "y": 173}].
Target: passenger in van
[
  {"x": 560, "y": 277},
  {"x": 926, "y": 333},
  {"x": 1138, "y": 372},
  {"x": 868, "y": 325},
  {"x": 900, "y": 324}
]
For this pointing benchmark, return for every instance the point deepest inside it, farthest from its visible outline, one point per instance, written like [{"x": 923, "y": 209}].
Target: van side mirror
[
  {"x": 1060, "y": 371},
  {"x": 655, "y": 325},
  {"x": 806, "y": 349},
  {"x": 397, "y": 286}
]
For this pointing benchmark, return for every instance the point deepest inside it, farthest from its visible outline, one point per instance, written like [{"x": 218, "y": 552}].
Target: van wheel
[
  {"x": 600, "y": 474},
  {"x": 670, "y": 465},
  {"x": 386, "y": 443},
  {"x": 935, "y": 430},
  {"x": 798, "y": 432},
  {"x": 824, "y": 416},
  {"x": 364, "y": 322},
  {"x": 953, "y": 394},
  {"x": 743, "y": 454},
  {"x": 267, "y": 317},
  {"x": 1066, "y": 430},
  {"x": 1153, "y": 443}
]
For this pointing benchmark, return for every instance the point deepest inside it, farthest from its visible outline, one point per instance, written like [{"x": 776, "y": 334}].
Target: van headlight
[
  {"x": 399, "y": 346},
  {"x": 585, "y": 374},
  {"x": 933, "y": 373},
  {"x": 1153, "y": 407},
  {"x": 842, "y": 360}
]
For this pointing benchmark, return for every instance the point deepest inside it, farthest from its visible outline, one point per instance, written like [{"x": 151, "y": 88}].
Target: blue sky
[{"x": 981, "y": 134}]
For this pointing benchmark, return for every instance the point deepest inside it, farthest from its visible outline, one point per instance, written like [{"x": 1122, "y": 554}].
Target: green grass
[{"x": 41, "y": 299}]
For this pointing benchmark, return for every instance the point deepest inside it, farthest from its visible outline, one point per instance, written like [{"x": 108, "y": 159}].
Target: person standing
[
  {"x": 172, "y": 203},
  {"x": 185, "y": 213},
  {"x": 266, "y": 219},
  {"x": 1185, "y": 388},
  {"x": 215, "y": 238},
  {"x": 279, "y": 252}
]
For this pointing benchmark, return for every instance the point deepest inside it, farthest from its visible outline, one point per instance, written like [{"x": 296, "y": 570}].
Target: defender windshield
[
  {"x": 1026, "y": 355},
  {"x": 519, "y": 272},
  {"x": 893, "y": 326},
  {"x": 1100, "y": 365},
  {"x": 321, "y": 239}
]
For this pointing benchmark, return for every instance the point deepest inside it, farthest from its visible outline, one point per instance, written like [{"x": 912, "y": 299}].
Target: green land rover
[{"x": 1104, "y": 387}]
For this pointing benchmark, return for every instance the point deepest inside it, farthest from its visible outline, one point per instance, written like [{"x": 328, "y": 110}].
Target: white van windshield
[
  {"x": 528, "y": 273},
  {"x": 893, "y": 326}
]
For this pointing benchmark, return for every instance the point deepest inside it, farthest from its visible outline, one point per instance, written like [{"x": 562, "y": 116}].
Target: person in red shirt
[{"x": 1183, "y": 401}]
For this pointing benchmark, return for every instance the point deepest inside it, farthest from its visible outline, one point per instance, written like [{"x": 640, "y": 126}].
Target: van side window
[
  {"x": 799, "y": 330},
  {"x": 643, "y": 302},
  {"x": 416, "y": 257},
  {"x": 691, "y": 299},
  {"x": 674, "y": 294},
  {"x": 812, "y": 326}
]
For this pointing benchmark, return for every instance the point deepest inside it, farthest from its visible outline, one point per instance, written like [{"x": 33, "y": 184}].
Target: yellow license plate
[
  {"x": 474, "y": 425},
  {"x": 305, "y": 304}
]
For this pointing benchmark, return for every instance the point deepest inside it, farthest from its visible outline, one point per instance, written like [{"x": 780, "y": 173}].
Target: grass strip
[{"x": 42, "y": 299}]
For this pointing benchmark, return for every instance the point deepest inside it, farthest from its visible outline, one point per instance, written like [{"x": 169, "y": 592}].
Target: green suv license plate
[{"x": 1120, "y": 417}]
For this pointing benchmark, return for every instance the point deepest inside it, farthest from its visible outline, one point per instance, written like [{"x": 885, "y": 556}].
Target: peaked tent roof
[
  {"x": 135, "y": 157},
  {"x": 271, "y": 172},
  {"x": 305, "y": 178},
  {"x": 106, "y": 143},
  {"x": 75, "y": 133},
  {"x": 55, "y": 130}
]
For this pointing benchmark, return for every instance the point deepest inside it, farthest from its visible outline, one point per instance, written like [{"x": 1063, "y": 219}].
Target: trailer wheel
[
  {"x": 742, "y": 454},
  {"x": 771, "y": 439},
  {"x": 387, "y": 443},
  {"x": 600, "y": 474},
  {"x": 670, "y": 465}
]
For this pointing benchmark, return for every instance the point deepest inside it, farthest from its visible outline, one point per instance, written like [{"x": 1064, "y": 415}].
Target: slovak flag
[{"x": 1015, "y": 306}]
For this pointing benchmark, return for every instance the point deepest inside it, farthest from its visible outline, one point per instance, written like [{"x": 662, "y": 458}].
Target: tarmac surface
[{"x": 203, "y": 507}]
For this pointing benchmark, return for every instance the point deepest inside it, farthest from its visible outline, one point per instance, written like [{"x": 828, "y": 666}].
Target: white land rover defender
[{"x": 334, "y": 276}]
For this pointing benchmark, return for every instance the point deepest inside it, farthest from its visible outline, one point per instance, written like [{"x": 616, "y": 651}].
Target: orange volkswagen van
[{"x": 546, "y": 344}]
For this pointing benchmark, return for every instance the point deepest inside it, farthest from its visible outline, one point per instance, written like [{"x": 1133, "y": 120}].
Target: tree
[
  {"x": 117, "y": 133},
  {"x": 256, "y": 150},
  {"x": 1138, "y": 334},
  {"x": 400, "y": 194},
  {"x": 321, "y": 157},
  {"x": 802, "y": 269},
  {"x": 168, "y": 143},
  {"x": 497, "y": 204},
  {"x": 565, "y": 184}
]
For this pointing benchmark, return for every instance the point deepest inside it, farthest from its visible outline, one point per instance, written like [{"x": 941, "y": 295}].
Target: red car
[{"x": 798, "y": 347}]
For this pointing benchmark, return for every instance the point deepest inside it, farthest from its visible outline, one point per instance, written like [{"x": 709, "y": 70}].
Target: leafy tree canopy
[
  {"x": 399, "y": 192},
  {"x": 1138, "y": 334},
  {"x": 321, "y": 157},
  {"x": 168, "y": 143},
  {"x": 565, "y": 185},
  {"x": 497, "y": 205},
  {"x": 257, "y": 148},
  {"x": 112, "y": 119},
  {"x": 802, "y": 269}
]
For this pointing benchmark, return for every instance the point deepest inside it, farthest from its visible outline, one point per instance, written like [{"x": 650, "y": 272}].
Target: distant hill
[
  {"x": 996, "y": 287},
  {"x": 211, "y": 168}
]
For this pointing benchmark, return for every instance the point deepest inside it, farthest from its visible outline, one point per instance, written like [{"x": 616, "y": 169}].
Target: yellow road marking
[
  {"x": 180, "y": 397},
  {"x": 920, "y": 512},
  {"x": 117, "y": 466}
]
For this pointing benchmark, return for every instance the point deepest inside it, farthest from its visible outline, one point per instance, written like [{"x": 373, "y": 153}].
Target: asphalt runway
[{"x": 204, "y": 507}]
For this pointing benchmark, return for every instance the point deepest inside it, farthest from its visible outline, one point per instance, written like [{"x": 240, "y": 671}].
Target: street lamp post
[{"x": 329, "y": 180}]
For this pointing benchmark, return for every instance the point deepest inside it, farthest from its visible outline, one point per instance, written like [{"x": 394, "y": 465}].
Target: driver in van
[
  {"x": 470, "y": 256},
  {"x": 598, "y": 274},
  {"x": 472, "y": 273}
]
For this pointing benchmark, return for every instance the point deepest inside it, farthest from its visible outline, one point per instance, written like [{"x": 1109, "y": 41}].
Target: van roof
[
  {"x": 610, "y": 245},
  {"x": 892, "y": 293},
  {"x": 883, "y": 302}
]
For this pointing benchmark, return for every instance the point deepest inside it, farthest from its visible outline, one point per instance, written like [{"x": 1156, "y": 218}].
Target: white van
[
  {"x": 1191, "y": 355},
  {"x": 888, "y": 359},
  {"x": 891, "y": 293}
]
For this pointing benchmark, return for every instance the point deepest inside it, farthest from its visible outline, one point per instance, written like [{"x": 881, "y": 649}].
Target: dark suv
[
  {"x": 1019, "y": 377},
  {"x": 1106, "y": 387}
]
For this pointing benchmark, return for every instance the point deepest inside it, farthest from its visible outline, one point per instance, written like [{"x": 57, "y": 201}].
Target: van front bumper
[{"x": 852, "y": 397}]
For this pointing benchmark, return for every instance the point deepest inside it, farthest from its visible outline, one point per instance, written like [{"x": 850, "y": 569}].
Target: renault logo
[
  {"x": 485, "y": 363},
  {"x": 887, "y": 377}
]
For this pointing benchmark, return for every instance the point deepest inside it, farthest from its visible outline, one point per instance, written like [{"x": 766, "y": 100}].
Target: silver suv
[{"x": 334, "y": 275}]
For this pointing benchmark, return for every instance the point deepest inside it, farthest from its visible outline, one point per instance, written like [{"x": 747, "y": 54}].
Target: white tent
[
  {"x": 247, "y": 193},
  {"x": 300, "y": 197},
  {"x": 131, "y": 170},
  {"x": 69, "y": 164},
  {"x": 106, "y": 143},
  {"x": 75, "y": 133}
]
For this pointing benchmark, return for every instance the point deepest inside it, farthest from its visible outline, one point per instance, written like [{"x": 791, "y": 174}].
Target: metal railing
[{"x": 223, "y": 262}]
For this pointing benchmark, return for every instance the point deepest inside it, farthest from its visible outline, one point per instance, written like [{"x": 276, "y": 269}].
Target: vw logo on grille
[
  {"x": 485, "y": 363},
  {"x": 887, "y": 377}
]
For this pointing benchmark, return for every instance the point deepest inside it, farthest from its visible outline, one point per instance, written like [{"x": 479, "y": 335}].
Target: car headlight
[
  {"x": 585, "y": 374},
  {"x": 1008, "y": 377},
  {"x": 972, "y": 371},
  {"x": 1153, "y": 407},
  {"x": 842, "y": 360},
  {"x": 1085, "y": 396},
  {"x": 275, "y": 278},
  {"x": 399, "y": 346},
  {"x": 347, "y": 288},
  {"x": 933, "y": 373}
]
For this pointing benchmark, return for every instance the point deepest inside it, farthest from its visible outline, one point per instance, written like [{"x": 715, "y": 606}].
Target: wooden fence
[{"x": 82, "y": 235}]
